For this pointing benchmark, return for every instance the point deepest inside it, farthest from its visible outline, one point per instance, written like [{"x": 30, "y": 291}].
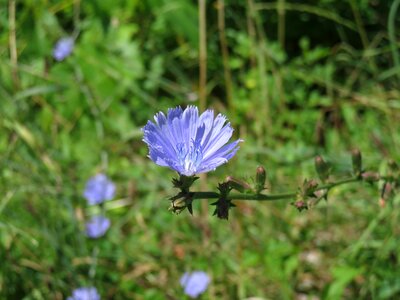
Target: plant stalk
[{"x": 270, "y": 197}]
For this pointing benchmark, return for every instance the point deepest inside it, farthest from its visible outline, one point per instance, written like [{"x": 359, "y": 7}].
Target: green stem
[
  {"x": 340, "y": 182},
  {"x": 270, "y": 197}
]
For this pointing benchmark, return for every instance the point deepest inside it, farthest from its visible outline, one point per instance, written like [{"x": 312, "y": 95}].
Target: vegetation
[{"x": 296, "y": 79}]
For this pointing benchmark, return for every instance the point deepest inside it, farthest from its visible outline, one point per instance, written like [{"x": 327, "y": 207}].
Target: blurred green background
[{"x": 295, "y": 78}]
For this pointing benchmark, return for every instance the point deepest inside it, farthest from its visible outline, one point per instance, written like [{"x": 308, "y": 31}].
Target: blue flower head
[
  {"x": 97, "y": 226},
  {"x": 63, "y": 48},
  {"x": 85, "y": 293},
  {"x": 99, "y": 189},
  {"x": 188, "y": 143},
  {"x": 194, "y": 283}
]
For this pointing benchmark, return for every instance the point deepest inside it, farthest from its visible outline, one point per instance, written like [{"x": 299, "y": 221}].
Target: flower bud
[
  {"x": 309, "y": 187},
  {"x": 237, "y": 184},
  {"x": 300, "y": 205},
  {"x": 322, "y": 168},
  {"x": 261, "y": 175},
  {"x": 178, "y": 205},
  {"x": 222, "y": 206},
  {"x": 370, "y": 176},
  {"x": 387, "y": 191},
  {"x": 322, "y": 194},
  {"x": 357, "y": 161}
]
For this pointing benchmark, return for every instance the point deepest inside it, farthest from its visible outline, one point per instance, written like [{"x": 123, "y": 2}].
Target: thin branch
[{"x": 270, "y": 197}]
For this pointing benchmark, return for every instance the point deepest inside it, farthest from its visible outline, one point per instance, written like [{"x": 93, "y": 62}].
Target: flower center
[{"x": 189, "y": 157}]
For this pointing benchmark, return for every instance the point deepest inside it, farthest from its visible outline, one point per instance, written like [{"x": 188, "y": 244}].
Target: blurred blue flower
[
  {"x": 63, "y": 48},
  {"x": 85, "y": 293},
  {"x": 189, "y": 143},
  {"x": 97, "y": 226},
  {"x": 98, "y": 189},
  {"x": 194, "y": 283}
]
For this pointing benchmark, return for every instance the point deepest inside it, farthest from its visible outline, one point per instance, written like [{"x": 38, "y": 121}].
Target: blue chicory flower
[
  {"x": 188, "y": 143},
  {"x": 85, "y": 293},
  {"x": 194, "y": 283},
  {"x": 63, "y": 48},
  {"x": 97, "y": 226},
  {"x": 98, "y": 189}
]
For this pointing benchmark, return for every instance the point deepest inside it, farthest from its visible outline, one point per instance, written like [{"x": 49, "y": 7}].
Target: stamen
[{"x": 191, "y": 158}]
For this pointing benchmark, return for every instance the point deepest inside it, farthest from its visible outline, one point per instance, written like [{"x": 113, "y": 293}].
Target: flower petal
[{"x": 187, "y": 142}]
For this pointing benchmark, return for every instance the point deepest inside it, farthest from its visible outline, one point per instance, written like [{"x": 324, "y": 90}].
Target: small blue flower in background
[
  {"x": 63, "y": 48},
  {"x": 194, "y": 283},
  {"x": 85, "y": 293},
  {"x": 97, "y": 226},
  {"x": 99, "y": 189},
  {"x": 188, "y": 143}
]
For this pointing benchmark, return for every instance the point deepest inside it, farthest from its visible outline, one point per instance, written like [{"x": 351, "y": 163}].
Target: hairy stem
[{"x": 270, "y": 197}]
